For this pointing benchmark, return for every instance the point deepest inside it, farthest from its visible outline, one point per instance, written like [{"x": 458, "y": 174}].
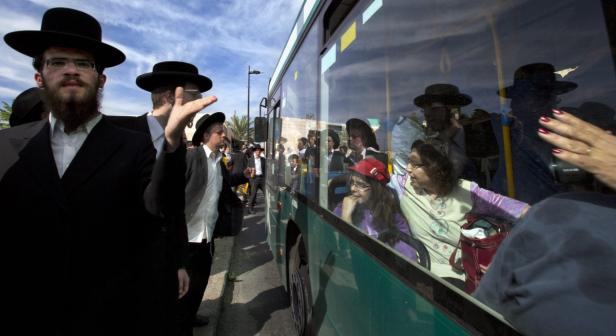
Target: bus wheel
[{"x": 299, "y": 288}]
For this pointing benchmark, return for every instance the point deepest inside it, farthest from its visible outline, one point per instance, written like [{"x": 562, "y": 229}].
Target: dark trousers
[
  {"x": 258, "y": 182},
  {"x": 200, "y": 257}
]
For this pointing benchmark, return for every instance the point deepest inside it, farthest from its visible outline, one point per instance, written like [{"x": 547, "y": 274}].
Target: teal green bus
[{"x": 374, "y": 61}]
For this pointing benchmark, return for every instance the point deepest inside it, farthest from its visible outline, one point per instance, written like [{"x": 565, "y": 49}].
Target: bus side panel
[{"x": 353, "y": 294}]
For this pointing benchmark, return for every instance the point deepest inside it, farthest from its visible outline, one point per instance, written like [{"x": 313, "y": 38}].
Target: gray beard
[{"x": 71, "y": 111}]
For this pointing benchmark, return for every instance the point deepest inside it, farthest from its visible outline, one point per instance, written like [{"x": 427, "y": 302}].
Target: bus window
[
  {"x": 441, "y": 101},
  {"x": 298, "y": 117},
  {"x": 472, "y": 86}
]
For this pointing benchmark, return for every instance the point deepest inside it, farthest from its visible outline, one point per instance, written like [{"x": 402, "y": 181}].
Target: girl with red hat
[{"x": 372, "y": 207}]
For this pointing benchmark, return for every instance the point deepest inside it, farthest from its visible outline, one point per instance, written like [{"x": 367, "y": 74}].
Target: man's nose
[{"x": 70, "y": 68}]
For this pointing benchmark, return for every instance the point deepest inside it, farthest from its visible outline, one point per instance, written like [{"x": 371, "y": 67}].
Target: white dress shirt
[
  {"x": 258, "y": 168},
  {"x": 201, "y": 225},
  {"x": 157, "y": 133},
  {"x": 65, "y": 146}
]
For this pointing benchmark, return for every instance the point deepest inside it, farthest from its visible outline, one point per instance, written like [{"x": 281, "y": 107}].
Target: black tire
[{"x": 299, "y": 288}]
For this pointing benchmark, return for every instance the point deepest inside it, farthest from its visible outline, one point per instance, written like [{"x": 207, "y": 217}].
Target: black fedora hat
[
  {"x": 203, "y": 123},
  {"x": 175, "y": 74},
  {"x": 369, "y": 139},
  {"x": 535, "y": 77},
  {"x": 68, "y": 28},
  {"x": 27, "y": 107},
  {"x": 447, "y": 94}
]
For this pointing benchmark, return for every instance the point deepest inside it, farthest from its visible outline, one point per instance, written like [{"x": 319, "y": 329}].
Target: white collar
[
  {"x": 208, "y": 152},
  {"x": 87, "y": 127}
]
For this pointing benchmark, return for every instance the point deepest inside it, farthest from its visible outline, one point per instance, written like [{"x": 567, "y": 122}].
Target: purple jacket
[{"x": 367, "y": 226}]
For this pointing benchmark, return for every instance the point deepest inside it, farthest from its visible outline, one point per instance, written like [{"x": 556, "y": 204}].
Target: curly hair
[
  {"x": 382, "y": 203},
  {"x": 437, "y": 166}
]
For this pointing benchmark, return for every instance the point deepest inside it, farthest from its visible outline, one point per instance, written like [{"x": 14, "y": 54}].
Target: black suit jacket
[
  {"x": 174, "y": 244},
  {"x": 251, "y": 164},
  {"x": 337, "y": 162},
  {"x": 82, "y": 243},
  {"x": 196, "y": 183},
  {"x": 355, "y": 157}
]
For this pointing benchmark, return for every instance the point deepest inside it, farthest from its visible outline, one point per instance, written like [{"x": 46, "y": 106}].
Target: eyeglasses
[
  {"x": 359, "y": 185},
  {"x": 196, "y": 94},
  {"x": 58, "y": 63},
  {"x": 411, "y": 166}
]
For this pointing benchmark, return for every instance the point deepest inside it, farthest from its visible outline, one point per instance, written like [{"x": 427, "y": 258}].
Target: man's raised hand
[{"x": 181, "y": 115}]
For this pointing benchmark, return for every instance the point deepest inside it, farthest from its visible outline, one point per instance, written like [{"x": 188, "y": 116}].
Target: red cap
[{"x": 372, "y": 168}]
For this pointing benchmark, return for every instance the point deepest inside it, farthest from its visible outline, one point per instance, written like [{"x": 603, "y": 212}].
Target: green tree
[
  {"x": 5, "y": 112},
  {"x": 240, "y": 128}
]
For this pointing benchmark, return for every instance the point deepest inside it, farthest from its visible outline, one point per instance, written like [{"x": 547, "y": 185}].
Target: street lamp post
[{"x": 250, "y": 72}]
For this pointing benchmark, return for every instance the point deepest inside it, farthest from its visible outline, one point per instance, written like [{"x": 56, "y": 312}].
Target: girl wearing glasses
[{"x": 371, "y": 206}]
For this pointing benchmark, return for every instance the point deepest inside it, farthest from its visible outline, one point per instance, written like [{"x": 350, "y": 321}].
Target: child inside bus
[{"x": 372, "y": 207}]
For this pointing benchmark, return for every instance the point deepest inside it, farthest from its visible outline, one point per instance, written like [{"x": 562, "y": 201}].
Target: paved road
[{"x": 255, "y": 303}]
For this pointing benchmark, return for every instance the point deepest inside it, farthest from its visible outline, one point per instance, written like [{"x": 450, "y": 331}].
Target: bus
[{"x": 376, "y": 61}]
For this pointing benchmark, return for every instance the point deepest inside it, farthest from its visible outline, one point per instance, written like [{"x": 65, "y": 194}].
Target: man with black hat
[
  {"x": 80, "y": 190},
  {"x": 533, "y": 94},
  {"x": 161, "y": 83},
  {"x": 257, "y": 180},
  {"x": 442, "y": 129},
  {"x": 208, "y": 189}
]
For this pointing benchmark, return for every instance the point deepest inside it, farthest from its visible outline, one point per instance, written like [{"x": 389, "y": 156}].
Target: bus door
[{"x": 275, "y": 178}]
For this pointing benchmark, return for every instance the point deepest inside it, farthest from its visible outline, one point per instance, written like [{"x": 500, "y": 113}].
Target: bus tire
[{"x": 299, "y": 289}]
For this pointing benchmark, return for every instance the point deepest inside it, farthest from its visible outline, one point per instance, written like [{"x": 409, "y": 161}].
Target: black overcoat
[{"x": 79, "y": 248}]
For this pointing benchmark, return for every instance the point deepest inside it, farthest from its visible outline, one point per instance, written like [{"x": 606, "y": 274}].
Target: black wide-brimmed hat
[
  {"x": 447, "y": 94},
  {"x": 369, "y": 138},
  {"x": 27, "y": 107},
  {"x": 536, "y": 77},
  {"x": 66, "y": 28},
  {"x": 257, "y": 147},
  {"x": 173, "y": 73},
  {"x": 203, "y": 123}
]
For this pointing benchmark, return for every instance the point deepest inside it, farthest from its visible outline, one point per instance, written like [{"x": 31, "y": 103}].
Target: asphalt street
[{"x": 254, "y": 300}]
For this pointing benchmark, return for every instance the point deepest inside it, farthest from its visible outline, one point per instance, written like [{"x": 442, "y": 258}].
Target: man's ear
[
  {"x": 102, "y": 79},
  {"x": 40, "y": 82},
  {"x": 169, "y": 97}
]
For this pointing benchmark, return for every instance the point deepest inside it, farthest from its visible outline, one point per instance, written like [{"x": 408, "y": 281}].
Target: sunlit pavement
[{"x": 245, "y": 295}]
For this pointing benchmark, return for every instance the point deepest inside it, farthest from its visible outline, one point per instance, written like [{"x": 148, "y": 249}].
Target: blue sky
[{"x": 220, "y": 37}]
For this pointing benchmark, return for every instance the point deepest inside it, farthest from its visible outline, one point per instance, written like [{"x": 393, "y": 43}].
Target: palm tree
[
  {"x": 5, "y": 112},
  {"x": 240, "y": 128}
]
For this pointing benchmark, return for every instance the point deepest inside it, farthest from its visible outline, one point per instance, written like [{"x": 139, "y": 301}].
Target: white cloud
[{"x": 220, "y": 37}]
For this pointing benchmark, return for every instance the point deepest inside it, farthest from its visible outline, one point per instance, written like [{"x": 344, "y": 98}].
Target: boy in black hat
[
  {"x": 80, "y": 190},
  {"x": 207, "y": 192},
  {"x": 362, "y": 143}
]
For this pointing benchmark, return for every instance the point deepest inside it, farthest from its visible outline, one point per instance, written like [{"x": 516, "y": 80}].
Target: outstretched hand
[
  {"x": 581, "y": 144},
  {"x": 181, "y": 115}
]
